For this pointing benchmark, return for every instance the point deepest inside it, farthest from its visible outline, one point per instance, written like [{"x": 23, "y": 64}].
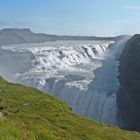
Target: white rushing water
[{"x": 82, "y": 73}]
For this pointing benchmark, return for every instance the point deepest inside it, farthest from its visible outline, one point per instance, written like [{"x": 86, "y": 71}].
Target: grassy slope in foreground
[{"x": 28, "y": 114}]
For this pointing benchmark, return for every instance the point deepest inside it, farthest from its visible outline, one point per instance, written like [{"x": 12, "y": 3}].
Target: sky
[{"x": 72, "y": 17}]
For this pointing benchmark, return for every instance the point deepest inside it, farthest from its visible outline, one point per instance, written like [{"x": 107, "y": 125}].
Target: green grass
[{"x": 30, "y": 114}]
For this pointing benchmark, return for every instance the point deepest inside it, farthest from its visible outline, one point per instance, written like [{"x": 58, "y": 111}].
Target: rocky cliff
[{"x": 129, "y": 93}]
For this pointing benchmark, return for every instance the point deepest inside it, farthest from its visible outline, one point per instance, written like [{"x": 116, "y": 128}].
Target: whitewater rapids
[{"x": 82, "y": 73}]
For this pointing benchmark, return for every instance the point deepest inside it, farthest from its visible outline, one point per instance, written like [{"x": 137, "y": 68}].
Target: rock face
[
  {"x": 1, "y": 116},
  {"x": 129, "y": 93}
]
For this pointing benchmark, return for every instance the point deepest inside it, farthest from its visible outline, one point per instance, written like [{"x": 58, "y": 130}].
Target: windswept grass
[{"x": 29, "y": 114}]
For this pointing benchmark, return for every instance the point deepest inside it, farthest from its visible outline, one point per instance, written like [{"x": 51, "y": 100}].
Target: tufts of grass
[{"x": 30, "y": 114}]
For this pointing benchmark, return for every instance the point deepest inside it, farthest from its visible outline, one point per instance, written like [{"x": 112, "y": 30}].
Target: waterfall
[{"x": 82, "y": 73}]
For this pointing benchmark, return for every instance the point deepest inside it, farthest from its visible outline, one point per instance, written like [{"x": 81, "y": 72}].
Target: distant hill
[{"x": 18, "y": 36}]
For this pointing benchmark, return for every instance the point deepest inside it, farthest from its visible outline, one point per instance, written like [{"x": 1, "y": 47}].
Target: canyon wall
[{"x": 129, "y": 93}]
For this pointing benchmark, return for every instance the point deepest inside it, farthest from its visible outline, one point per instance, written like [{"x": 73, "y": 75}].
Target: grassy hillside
[{"x": 28, "y": 114}]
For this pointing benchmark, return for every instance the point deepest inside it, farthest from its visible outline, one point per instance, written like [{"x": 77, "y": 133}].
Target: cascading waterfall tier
[{"x": 82, "y": 73}]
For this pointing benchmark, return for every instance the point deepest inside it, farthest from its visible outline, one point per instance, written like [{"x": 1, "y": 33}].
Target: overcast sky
[{"x": 72, "y": 17}]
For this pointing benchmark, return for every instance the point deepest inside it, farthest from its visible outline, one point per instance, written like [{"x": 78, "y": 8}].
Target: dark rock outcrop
[{"x": 129, "y": 93}]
